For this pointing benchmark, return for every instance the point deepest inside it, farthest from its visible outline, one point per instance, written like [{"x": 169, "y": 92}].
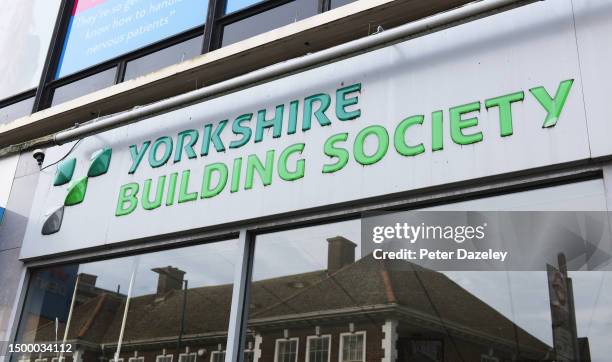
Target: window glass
[
  {"x": 338, "y": 3},
  {"x": 25, "y": 33},
  {"x": 268, "y": 20},
  {"x": 16, "y": 110},
  {"x": 353, "y": 346},
  {"x": 316, "y": 281},
  {"x": 286, "y": 350},
  {"x": 177, "y": 302},
  {"x": 318, "y": 349},
  {"x": 162, "y": 58},
  {"x": 84, "y": 86},
  {"x": 233, "y": 5},
  {"x": 104, "y": 29}
]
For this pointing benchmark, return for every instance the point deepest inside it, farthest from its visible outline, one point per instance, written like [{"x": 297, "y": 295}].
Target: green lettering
[
  {"x": 127, "y": 195},
  {"x": 340, "y": 153},
  {"x": 283, "y": 171},
  {"x": 400, "y": 137},
  {"x": 180, "y": 143},
  {"x": 171, "y": 188},
  {"x": 184, "y": 194},
  {"x": 342, "y": 102},
  {"x": 137, "y": 156},
  {"x": 437, "y": 131},
  {"x": 238, "y": 128},
  {"x": 215, "y": 137},
  {"x": 293, "y": 112},
  {"x": 504, "y": 103},
  {"x": 457, "y": 124},
  {"x": 276, "y": 123},
  {"x": 381, "y": 148},
  {"x": 552, "y": 106},
  {"x": 207, "y": 190},
  {"x": 265, "y": 172},
  {"x": 147, "y": 204},
  {"x": 167, "y": 142},
  {"x": 324, "y": 101}
]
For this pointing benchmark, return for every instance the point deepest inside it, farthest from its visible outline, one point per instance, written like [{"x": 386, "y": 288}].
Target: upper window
[
  {"x": 317, "y": 349},
  {"x": 188, "y": 357},
  {"x": 136, "y": 359},
  {"x": 352, "y": 347},
  {"x": 286, "y": 350},
  {"x": 100, "y": 30},
  {"x": 164, "y": 358},
  {"x": 217, "y": 356},
  {"x": 234, "y": 5},
  {"x": 25, "y": 33}
]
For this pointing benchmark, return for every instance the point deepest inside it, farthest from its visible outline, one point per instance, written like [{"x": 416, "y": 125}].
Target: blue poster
[{"x": 100, "y": 30}]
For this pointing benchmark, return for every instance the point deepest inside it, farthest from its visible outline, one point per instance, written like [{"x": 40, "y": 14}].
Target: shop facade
[{"x": 224, "y": 224}]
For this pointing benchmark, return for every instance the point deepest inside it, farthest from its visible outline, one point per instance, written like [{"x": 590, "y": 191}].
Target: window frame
[
  {"x": 212, "y": 30},
  {"x": 292, "y": 339},
  {"x": 136, "y": 359},
  {"x": 159, "y": 356},
  {"x": 309, "y": 338},
  {"x": 341, "y": 344},
  {"x": 215, "y": 353},
  {"x": 188, "y": 354}
]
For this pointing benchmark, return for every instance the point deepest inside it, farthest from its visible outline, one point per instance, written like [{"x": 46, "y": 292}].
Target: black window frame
[{"x": 212, "y": 32}]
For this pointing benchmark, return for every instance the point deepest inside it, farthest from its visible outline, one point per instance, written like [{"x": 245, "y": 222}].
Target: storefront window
[
  {"x": 25, "y": 34},
  {"x": 315, "y": 295},
  {"x": 84, "y": 86},
  {"x": 16, "y": 110},
  {"x": 268, "y": 20},
  {"x": 102, "y": 30},
  {"x": 171, "y": 55},
  {"x": 234, "y": 5},
  {"x": 177, "y": 306}
]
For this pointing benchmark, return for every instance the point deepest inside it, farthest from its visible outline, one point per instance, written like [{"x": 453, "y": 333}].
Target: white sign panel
[{"x": 486, "y": 98}]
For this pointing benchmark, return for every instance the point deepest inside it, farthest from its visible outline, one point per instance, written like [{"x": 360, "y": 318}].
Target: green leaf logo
[
  {"x": 100, "y": 161},
  {"x": 64, "y": 172},
  {"x": 76, "y": 192}
]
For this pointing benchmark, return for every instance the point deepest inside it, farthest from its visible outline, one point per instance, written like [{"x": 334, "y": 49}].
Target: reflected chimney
[
  {"x": 170, "y": 278},
  {"x": 340, "y": 253},
  {"x": 88, "y": 279}
]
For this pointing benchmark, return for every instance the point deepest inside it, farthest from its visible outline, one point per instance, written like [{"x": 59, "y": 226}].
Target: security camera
[{"x": 39, "y": 156}]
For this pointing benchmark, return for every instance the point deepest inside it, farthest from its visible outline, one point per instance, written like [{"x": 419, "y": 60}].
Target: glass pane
[
  {"x": 84, "y": 86},
  {"x": 16, "y": 110},
  {"x": 233, "y": 5},
  {"x": 168, "y": 56},
  {"x": 25, "y": 34},
  {"x": 177, "y": 306},
  {"x": 271, "y": 19},
  {"x": 315, "y": 281},
  {"x": 181, "y": 303},
  {"x": 102, "y": 30},
  {"x": 338, "y": 3}
]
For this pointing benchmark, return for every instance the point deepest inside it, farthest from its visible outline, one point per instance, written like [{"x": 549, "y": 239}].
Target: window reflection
[
  {"x": 315, "y": 297},
  {"x": 274, "y": 18},
  {"x": 166, "y": 306}
]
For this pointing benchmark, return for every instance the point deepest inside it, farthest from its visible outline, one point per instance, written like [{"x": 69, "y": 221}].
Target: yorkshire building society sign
[{"x": 429, "y": 111}]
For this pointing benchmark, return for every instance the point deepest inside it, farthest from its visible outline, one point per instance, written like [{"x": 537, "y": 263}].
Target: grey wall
[{"x": 12, "y": 231}]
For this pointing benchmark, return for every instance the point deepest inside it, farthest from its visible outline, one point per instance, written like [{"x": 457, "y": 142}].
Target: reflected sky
[{"x": 205, "y": 265}]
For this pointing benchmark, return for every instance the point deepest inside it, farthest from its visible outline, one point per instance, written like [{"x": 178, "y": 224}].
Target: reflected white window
[
  {"x": 25, "y": 34},
  {"x": 286, "y": 350},
  {"x": 136, "y": 359},
  {"x": 217, "y": 356},
  {"x": 58, "y": 359},
  {"x": 188, "y": 357},
  {"x": 317, "y": 348},
  {"x": 352, "y": 347},
  {"x": 116, "y": 360},
  {"x": 40, "y": 360},
  {"x": 164, "y": 358}
]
